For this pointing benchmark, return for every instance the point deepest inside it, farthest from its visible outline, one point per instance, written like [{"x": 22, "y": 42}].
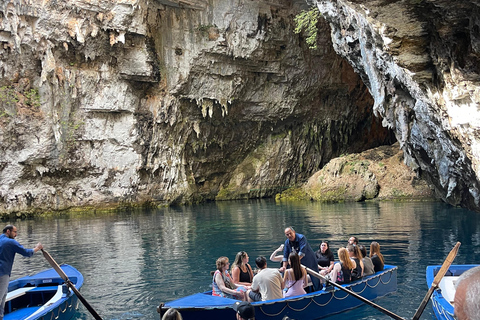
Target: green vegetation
[
  {"x": 8, "y": 95},
  {"x": 307, "y": 20},
  {"x": 70, "y": 129},
  {"x": 13, "y": 101},
  {"x": 32, "y": 98},
  {"x": 292, "y": 194}
]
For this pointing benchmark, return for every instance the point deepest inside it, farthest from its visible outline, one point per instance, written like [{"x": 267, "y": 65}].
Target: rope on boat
[
  {"x": 364, "y": 287},
  {"x": 323, "y": 305},
  {"x": 390, "y": 279},
  {"x": 312, "y": 299},
  {"x": 67, "y": 307},
  {"x": 298, "y": 310},
  {"x": 346, "y": 295},
  {"x": 273, "y": 314},
  {"x": 442, "y": 311},
  {"x": 379, "y": 279}
]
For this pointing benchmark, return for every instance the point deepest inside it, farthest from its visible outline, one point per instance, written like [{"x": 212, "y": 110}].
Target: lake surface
[{"x": 132, "y": 261}]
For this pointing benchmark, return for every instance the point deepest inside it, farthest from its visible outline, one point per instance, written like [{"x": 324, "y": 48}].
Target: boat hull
[
  {"x": 442, "y": 298},
  {"x": 43, "y": 296},
  {"x": 310, "y": 306}
]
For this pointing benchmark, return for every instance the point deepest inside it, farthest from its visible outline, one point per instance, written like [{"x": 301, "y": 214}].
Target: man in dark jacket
[{"x": 298, "y": 243}]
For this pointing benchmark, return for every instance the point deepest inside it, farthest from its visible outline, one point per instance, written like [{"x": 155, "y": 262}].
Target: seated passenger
[
  {"x": 341, "y": 272},
  {"x": 356, "y": 256},
  {"x": 325, "y": 258},
  {"x": 367, "y": 262},
  {"x": 376, "y": 256},
  {"x": 222, "y": 284},
  {"x": 267, "y": 284},
  {"x": 295, "y": 278},
  {"x": 242, "y": 273},
  {"x": 353, "y": 240}
]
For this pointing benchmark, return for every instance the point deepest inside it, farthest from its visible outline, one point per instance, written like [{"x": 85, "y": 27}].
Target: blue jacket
[
  {"x": 301, "y": 246},
  {"x": 8, "y": 248}
]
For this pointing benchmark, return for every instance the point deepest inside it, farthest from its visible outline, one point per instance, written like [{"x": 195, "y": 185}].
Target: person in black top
[
  {"x": 325, "y": 259},
  {"x": 341, "y": 272},
  {"x": 242, "y": 273},
  {"x": 356, "y": 255},
  {"x": 376, "y": 256}
]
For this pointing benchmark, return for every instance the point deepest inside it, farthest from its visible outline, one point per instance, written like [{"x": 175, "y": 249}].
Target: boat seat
[
  {"x": 27, "y": 312},
  {"x": 20, "y": 313},
  {"x": 58, "y": 295},
  {"x": 43, "y": 289},
  {"x": 447, "y": 285},
  {"x": 18, "y": 292}
]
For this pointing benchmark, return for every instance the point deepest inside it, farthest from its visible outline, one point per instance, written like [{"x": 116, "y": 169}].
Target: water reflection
[{"x": 132, "y": 261}]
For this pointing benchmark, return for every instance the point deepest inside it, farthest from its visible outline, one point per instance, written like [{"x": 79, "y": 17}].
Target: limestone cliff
[
  {"x": 420, "y": 61},
  {"x": 105, "y": 103}
]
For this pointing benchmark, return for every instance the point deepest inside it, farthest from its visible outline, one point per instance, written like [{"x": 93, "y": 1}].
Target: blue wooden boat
[
  {"x": 309, "y": 306},
  {"x": 442, "y": 298},
  {"x": 43, "y": 296}
]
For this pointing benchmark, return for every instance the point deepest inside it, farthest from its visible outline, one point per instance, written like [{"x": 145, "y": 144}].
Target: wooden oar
[
  {"x": 436, "y": 281},
  {"x": 62, "y": 274},
  {"x": 370, "y": 303}
]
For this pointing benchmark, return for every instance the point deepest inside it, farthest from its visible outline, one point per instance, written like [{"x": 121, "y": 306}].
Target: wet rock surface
[
  {"x": 130, "y": 102},
  {"x": 420, "y": 61},
  {"x": 375, "y": 174}
]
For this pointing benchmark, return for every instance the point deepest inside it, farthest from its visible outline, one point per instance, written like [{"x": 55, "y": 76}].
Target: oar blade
[{"x": 446, "y": 264}]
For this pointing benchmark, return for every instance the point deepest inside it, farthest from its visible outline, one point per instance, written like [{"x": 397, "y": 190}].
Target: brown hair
[
  {"x": 295, "y": 264},
  {"x": 375, "y": 249},
  {"x": 172, "y": 314},
  {"x": 356, "y": 251},
  {"x": 221, "y": 262}
]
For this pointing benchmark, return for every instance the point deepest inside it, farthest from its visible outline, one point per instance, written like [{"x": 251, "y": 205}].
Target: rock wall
[
  {"x": 108, "y": 103},
  {"x": 375, "y": 174},
  {"x": 420, "y": 61}
]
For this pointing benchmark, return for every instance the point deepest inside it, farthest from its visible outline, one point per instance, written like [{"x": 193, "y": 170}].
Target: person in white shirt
[{"x": 267, "y": 284}]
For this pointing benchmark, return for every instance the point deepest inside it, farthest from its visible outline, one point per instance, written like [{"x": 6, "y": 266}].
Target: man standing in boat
[
  {"x": 8, "y": 248},
  {"x": 298, "y": 243}
]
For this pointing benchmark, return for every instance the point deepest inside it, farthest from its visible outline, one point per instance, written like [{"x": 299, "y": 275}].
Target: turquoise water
[{"x": 132, "y": 261}]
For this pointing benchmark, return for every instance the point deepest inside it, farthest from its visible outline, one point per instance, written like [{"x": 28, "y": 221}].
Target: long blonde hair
[
  {"x": 375, "y": 249},
  {"x": 345, "y": 258}
]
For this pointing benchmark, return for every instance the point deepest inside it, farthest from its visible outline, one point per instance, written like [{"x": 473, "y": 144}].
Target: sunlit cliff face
[
  {"x": 420, "y": 60},
  {"x": 108, "y": 103}
]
